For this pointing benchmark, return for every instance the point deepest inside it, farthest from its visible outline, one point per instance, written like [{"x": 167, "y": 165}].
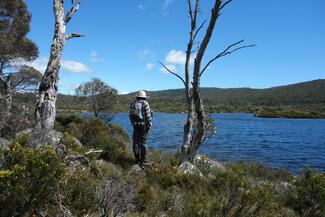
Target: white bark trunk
[
  {"x": 47, "y": 94},
  {"x": 194, "y": 135}
]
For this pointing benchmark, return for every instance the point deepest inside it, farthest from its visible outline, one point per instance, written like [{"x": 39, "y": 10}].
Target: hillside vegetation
[
  {"x": 38, "y": 182},
  {"x": 305, "y": 99},
  {"x": 302, "y": 97}
]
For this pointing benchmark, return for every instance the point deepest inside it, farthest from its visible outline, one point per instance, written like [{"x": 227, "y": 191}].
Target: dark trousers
[{"x": 139, "y": 142}]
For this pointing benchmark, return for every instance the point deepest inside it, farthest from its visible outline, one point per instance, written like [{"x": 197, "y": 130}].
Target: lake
[{"x": 280, "y": 143}]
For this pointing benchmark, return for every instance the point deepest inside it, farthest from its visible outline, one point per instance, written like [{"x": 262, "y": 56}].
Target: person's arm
[
  {"x": 130, "y": 116},
  {"x": 147, "y": 114}
]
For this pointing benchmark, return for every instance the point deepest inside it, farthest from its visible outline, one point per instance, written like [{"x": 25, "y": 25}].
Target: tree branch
[
  {"x": 173, "y": 73},
  {"x": 198, "y": 29},
  {"x": 189, "y": 2},
  {"x": 224, "y": 4},
  {"x": 73, "y": 35},
  {"x": 75, "y": 7},
  {"x": 93, "y": 151},
  {"x": 226, "y": 52}
]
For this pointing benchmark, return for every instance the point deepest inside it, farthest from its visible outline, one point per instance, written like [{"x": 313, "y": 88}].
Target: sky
[{"x": 125, "y": 39}]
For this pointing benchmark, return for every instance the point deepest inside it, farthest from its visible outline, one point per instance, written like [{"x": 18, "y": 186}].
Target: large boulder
[
  {"x": 204, "y": 162},
  {"x": 40, "y": 138},
  {"x": 189, "y": 169}
]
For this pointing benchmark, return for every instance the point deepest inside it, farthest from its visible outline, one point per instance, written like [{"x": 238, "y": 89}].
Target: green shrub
[
  {"x": 70, "y": 143},
  {"x": 259, "y": 171},
  {"x": 29, "y": 180},
  {"x": 79, "y": 192},
  {"x": 146, "y": 196},
  {"x": 96, "y": 134},
  {"x": 308, "y": 199},
  {"x": 65, "y": 120},
  {"x": 22, "y": 139}
]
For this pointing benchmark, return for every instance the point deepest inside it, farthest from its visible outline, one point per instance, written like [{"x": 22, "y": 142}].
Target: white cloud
[
  {"x": 74, "y": 67},
  {"x": 166, "y": 4},
  {"x": 145, "y": 54},
  {"x": 67, "y": 65},
  {"x": 141, "y": 7},
  {"x": 171, "y": 67},
  {"x": 150, "y": 66},
  {"x": 40, "y": 64},
  {"x": 95, "y": 58},
  {"x": 175, "y": 57}
]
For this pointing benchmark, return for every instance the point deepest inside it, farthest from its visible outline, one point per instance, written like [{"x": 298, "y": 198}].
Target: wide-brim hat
[{"x": 142, "y": 94}]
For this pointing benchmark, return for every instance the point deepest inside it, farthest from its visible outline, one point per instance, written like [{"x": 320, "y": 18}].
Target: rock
[
  {"x": 188, "y": 168},
  {"x": 40, "y": 138},
  {"x": 4, "y": 144},
  {"x": 202, "y": 161},
  {"x": 77, "y": 160},
  {"x": 26, "y": 131},
  {"x": 146, "y": 166},
  {"x": 106, "y": 167},
  {"x": 136, "y": 171}
]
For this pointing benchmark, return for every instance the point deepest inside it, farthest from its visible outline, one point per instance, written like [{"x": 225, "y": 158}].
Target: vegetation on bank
[
  {"x": 302, "y": 100},
  {"x": 37, "y": 182},
  {"x": 267, "y": 112}
]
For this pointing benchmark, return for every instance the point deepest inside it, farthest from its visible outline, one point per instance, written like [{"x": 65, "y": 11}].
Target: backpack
[{"x": 136, "y": 111}]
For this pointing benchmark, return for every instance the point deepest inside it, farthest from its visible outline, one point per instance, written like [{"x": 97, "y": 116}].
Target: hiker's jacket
[{"x": 146, "y": 114}]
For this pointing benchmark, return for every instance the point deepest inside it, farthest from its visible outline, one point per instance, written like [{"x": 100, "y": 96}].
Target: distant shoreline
[{"x": 262, "y": 113}]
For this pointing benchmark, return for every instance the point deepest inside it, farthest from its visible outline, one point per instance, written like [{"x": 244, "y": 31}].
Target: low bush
[
  {"x": 78, "y": 192},
  {"x": 29, "y": 180},
  {"x": 94, "y": 133},
  {"x": 307, "y": 197}
]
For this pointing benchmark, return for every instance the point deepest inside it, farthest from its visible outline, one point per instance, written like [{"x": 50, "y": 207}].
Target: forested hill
[
  {"x": 307, "y": 95},
  {"x": 300, "y": 94}
]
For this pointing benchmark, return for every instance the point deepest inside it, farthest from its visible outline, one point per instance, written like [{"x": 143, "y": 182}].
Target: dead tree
[
  {"x": 196, "y": 123},
  {"x": 47, "y": 92}
]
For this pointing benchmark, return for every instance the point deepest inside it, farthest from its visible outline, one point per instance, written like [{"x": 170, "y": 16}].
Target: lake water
[{"x": 281, "y": 143}]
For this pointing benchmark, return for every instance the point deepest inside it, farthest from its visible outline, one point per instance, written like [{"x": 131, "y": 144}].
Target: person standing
[{"x": 141, "y": 120}]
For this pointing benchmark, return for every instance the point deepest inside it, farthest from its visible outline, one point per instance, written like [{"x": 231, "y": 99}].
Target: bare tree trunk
[
  {"x": 200, "y": 128},
  {"x": 196, "y": 124},
  {"x": 47, "y": 94}
]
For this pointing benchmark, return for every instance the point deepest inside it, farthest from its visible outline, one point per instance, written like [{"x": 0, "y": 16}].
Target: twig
[
  {"x": 226, "y": 52},
  {"x": 93, "y": 151},
  {"x": 225, "y": 4},
  {"x": 73, "y": 35},
  {"x": 173, "y": 73},
  {"x": 198, "y": 29}
]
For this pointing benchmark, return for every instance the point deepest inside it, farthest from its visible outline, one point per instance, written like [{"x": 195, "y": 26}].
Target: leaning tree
[
  {"x": 47, "y": 92},
  {"x": 15, "y": 49},
  {"x": 196, "y": 124}
]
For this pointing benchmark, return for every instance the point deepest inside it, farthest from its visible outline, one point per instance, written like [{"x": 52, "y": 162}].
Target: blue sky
[{"x": 125, "y": 39}]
